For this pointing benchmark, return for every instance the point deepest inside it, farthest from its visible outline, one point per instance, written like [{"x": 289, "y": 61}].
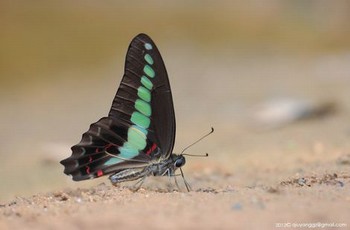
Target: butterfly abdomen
[{"x": 128, "y": 175}]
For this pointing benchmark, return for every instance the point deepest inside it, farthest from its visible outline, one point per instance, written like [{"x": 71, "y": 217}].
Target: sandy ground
[
  {"x": 254, "y": 178},
  {"x": 315, "y": 199}
]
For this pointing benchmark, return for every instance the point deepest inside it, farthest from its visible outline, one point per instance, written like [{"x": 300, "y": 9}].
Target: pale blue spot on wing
[
  {"x": 113, "y": 161},
  {"x": 125, "y": 153},
  {"x": 128, "y": 153},
  {"x": 148, "y": 46}
]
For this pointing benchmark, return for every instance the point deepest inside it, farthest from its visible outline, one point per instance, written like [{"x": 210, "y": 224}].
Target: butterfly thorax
[{"x": 166, "y": 167}]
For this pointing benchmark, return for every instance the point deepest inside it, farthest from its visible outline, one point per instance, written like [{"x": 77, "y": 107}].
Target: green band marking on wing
[
  {"x": 144, "y": 94},
  {"x": 146, "y": 82},
  {"x": 143, "y": 107},
  {"x": 141, "y": 120},
  {"x": 149, "y": 71},
  {"x": 113, "y": 161},
  {"x": 136, "y": 139},
  {"x": 137, "y": 133},
  {"x": 149, "y": 59}
]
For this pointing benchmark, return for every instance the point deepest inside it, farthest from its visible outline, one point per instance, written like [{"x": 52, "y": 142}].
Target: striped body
[{"x": 163, "y": 168}]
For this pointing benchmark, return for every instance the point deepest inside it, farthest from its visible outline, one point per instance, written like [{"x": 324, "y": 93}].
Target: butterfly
[{"x": 137, "y": 137}]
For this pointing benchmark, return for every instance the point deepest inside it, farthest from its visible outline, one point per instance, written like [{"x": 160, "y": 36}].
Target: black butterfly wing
[
  {"x": 140, "y": 126},
  {"x": 162, "y": 126}
]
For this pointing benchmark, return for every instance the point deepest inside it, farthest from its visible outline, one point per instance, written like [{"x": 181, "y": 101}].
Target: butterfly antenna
[{"x": 182, "y": 153}]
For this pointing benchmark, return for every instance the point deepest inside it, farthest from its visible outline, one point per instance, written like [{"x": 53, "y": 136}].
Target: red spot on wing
[
  {"x": 99, "y": 172},
  {"x": 153, "y": 147},
  {"x": 107, "y": 146},
  {"x": 87, "y": 169}
]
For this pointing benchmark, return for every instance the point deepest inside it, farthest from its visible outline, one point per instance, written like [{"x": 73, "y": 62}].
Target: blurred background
[{"x": 272, "y": 77}]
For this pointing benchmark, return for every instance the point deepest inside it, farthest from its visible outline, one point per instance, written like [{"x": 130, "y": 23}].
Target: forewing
[{"x": 146, "y": 78}]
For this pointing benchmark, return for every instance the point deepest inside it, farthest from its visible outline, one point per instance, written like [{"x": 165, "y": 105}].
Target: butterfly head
[{"x": 178, "y": 160}]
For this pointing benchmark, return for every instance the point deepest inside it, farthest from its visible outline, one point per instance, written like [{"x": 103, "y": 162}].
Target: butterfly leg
[
  {"x": 188, "y": 187},
  {"x": 177, "y": 184},
  {"x": 138, "y": 184},
  {"x": 172, "y": 174},
  {"x": 169, "y": 174}
]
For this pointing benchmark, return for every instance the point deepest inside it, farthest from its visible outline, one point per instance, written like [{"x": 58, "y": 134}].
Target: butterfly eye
[{"x": 180, "y": 162}]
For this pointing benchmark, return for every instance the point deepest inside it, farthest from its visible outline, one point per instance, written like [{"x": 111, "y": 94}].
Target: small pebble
[{"x": 237, "y": 207}]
